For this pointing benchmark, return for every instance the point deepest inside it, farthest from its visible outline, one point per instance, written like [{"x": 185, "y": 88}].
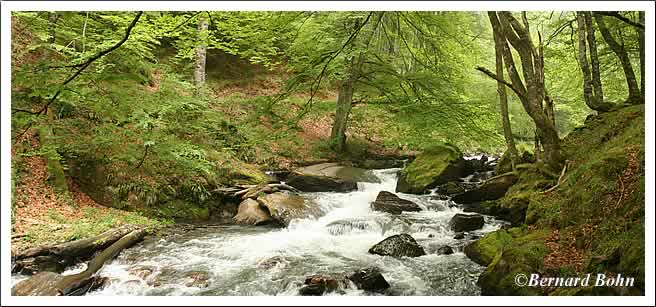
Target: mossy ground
[{"x": 593, "y": 221}]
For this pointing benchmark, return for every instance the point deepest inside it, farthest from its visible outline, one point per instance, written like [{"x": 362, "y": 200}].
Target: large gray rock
[
  {"x": 252, "y": 213},
  {"x": 466, "y": 222},
  {"x": 285, "y": 206},
  {"x": 390, "y": 203},
  {"x": 402, "y": 245},
  {"x": 337, "y": 170}
]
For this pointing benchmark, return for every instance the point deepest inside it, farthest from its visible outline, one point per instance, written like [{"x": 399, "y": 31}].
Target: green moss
[
  {"x": 486, "y": 248},
  {"x": 435, "y": 165},
  {"x": 181, "y": 210}
]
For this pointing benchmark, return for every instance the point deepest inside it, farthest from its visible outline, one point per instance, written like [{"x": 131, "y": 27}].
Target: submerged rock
[
  {"x": 436, "y": 165},
  {"x": 390, "y": 203},
  {"x": 402, "y": 245},
  {"x": 197, "y": 279},
  {"x": 319, "y": 284},
  {"x": 252, "y": 213},
  {"x": 369, "y": 279},
  {"x": 466, "y": 222},
  {"x": 491, "y": 189},
  {"x": 346, "y": 226}
]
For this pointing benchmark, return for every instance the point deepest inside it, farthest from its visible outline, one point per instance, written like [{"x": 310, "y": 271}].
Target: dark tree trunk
[
  {"x": 641, "y": 34},
  {"x": 618, "y": 49},
  {"x": 503, "y": 100},
  {"x": 52, "y": 284}
]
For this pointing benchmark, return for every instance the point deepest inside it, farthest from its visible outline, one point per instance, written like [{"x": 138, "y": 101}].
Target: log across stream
[{"x": 262, "y": 260}]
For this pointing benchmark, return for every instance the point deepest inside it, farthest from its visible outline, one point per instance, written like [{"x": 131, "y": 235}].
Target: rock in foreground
[
  {"x": 369, "y": 279},
  {"x": 390, "y": 203},
  {"x": 286, "y": 206},
  {"x": 252, "y": 213},
  {"x": 466, "y": 222},
  {"x": 402, "y": 245}
]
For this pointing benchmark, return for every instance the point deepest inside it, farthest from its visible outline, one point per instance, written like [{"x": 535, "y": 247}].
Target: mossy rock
[
  {"x": 434, "y": 166},
  {"x": 523, "y": 254},
  {"x": 485, "y": 249}
]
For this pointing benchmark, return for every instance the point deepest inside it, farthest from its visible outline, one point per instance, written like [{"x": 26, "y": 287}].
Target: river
[{"x": 259, "y": 260}]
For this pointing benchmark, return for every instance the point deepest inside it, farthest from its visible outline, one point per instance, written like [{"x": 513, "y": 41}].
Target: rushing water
[{"x": 244, "y": 260}]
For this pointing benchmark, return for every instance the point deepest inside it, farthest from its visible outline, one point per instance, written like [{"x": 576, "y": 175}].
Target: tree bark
[
  {"x": 52, "y": 284},
  {"x": 533, "y": 93},
  {"x": 201, "y": 55},
  {"x": 618, "y": 49},
  {"x": 503, "y": 100},
  {"x": 592, "y": 90},
  {"x": 641, "y": 34}
]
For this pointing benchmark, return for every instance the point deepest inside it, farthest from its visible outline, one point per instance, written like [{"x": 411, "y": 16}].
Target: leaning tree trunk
[
  {"x": 52, "y": 284},
  {"x": 618, "y": 49},
  {"x": 503, "y": 101},
  {"x": 592, "y": 91},
  {"x": 201, "y": 55}
]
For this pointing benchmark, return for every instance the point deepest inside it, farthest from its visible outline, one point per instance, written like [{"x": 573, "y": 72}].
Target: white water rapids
[{"x": 244, "y": 260}]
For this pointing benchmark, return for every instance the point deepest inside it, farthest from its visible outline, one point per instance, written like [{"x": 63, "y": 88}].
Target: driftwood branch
[
  {"x": 57, "y": 257},
  {"x": 560, "y": 180},
  {"x": 53, "y": 284}
]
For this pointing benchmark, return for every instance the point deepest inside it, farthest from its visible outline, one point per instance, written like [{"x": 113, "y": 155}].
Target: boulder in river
[
  {"x": 390, "y": 203},
  {"x": 319, "y": 284},
  {"x": 493, "y": 188},
  {"x": 252, "y": 213},
  {"x": 436, "y": 165},
  {"x": 466, "y": 222},
  {"x": 450, "y": 188},
  {"x": 285, "y": 206},
  {"x": 445, "y": 250},
  {"x": 401, "y": 245},
  {"x": 328, "y": 177},
  {"x": 369, "y": 279}
]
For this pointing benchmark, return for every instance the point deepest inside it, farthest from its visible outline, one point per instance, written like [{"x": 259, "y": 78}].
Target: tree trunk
[
  {"x": 201, "y": 55},
  {"x": 57, "y": 257},
  {"x": 534, "y": 92},
  {"x": 618, "y": 49},
  {"x": 345, "y": 96},
  {"x": 52, "y": 25},
  {"x": 641, "y": 34},
  {"x": 592, "y": 91},
  {"x": 51, "y": 284},
  {"x": 503, "y": 100}
]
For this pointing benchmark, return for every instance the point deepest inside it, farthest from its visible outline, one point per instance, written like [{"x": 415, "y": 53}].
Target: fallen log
[
  {"x": 53, "y": 284},
  {"x": 56, "y": 258}
]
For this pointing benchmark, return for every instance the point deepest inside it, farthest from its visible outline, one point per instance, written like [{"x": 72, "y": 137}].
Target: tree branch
[
  {"x": 495, "y": 77},
  {"x": 622, "y": 18}
]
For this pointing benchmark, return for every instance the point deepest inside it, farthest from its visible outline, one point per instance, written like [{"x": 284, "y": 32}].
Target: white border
[{"x": 7, "y": 7}]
